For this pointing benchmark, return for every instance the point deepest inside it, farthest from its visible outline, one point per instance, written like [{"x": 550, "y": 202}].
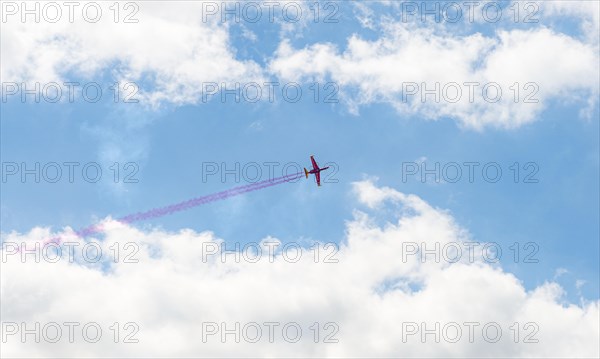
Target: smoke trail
[
  {"x": 159, "y": 212},
  {"x": 194, "y": 202}
]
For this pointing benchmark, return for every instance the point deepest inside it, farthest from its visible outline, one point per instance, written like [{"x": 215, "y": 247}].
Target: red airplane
[{"x": 316, "y": 170}]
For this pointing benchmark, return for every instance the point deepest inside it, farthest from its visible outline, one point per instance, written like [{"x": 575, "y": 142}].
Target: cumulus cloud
[
  {"x": 174, "y": 53},
  {"x": 169, "y": 51},
  {"x": 368, "y": 292},
  {"x": 409, "y": 61}
]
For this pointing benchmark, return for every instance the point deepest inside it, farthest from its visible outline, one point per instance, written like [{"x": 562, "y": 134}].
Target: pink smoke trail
[{"x": 194, "y": 202}]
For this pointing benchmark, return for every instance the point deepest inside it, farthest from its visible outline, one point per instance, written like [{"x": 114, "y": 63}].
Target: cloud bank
[
  {"x": 470, "y": 78},
  {"x": 369, "y": 298},
  {"x": 177, "y": 53}
]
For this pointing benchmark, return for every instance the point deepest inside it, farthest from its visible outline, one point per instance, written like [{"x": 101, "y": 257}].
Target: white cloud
[
  {"x": 171, "y": 52},
  {"x": 372, "y": 71},
  {"x": 369, "y": 293}
]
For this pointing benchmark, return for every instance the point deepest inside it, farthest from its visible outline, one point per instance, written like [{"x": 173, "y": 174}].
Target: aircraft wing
[
  {"x": 314, "y": 163},
  {"x": 318, "y": 178}
]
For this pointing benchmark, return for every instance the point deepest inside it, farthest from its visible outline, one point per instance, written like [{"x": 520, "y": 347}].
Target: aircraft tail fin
[{"x": 305, "y": 172}]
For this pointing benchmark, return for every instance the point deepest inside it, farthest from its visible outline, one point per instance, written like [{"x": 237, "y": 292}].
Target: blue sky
[
  {"x": 560, "y": 213},
  {"x": 169, "y": 143}
]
